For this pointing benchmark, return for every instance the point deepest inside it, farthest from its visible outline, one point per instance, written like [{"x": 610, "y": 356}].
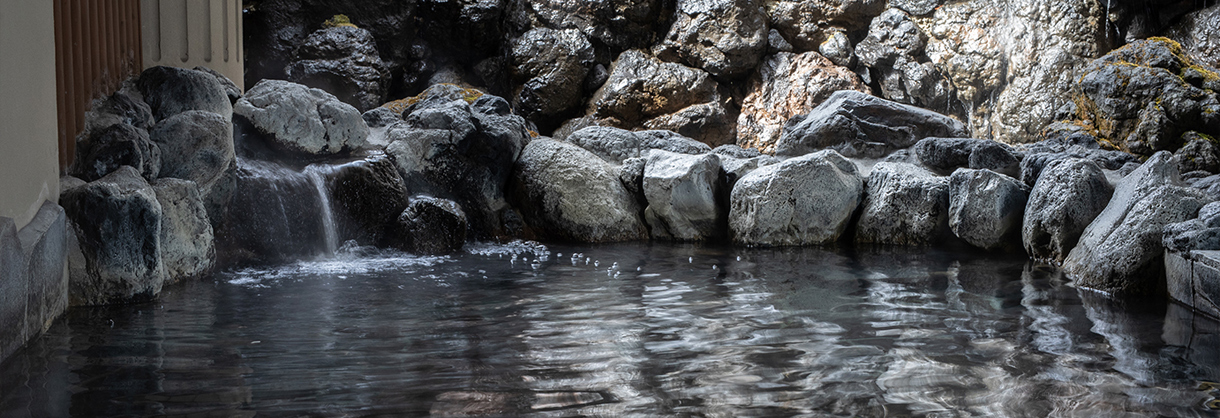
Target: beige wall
[
  {"x": 29, "y": 141},
  {"x": 192, "y": 33}
]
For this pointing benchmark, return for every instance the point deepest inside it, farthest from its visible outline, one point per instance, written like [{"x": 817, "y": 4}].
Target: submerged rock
[
  {"x": 302, "y": 120},
  {"x": 807, "y": 200},
  {"x": 187, "y": 244},
  {"x": 986, "y": 208},
  {"x": 904, "y": 204},
  {"x": 429, "y": 226},
  {"x": 567, "y": 193},
  {"x": 685, "y": 196},
  {"x": 1067, "y": 197},
  {"x": 858, "y": 125},
  {"x": 1121, "y": 250},
  {"x": 786, "y": 85},
  {"x": 121, "y": 245}
]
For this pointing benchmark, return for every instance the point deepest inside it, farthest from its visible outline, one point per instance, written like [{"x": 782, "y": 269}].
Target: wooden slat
[{"x": 97, "y": 46}]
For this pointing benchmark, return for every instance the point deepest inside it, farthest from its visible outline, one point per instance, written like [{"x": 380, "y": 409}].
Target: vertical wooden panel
[{"x": 97, "y": 46}]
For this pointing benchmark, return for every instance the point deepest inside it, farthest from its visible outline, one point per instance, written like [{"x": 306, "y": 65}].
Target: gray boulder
[
  {"x": 429, "y": 226},
  {"x": 736, "y": 168},
  {"x": 631, "y": 174},
  {"x": 615, "y": 145},
  {"x": 380, "y": 117},
  {"x": 618, "y": 24},
  {"x": 786, "y": 85},
  {"x": 838, "y": 49},
  {"x": 684, "y": 194},
  {"x": 859, "y": 125},
  {"x": 343, "y": 61},
  {"x": 1069, "y": 195},
  {"x": 566, "y": 192},
  {"x": 229, "y": 87},
  {"x": 986, "y": 208},
  {"x": 995, "y": 156},
  {"x": 904, "y": 204},
  {"x": 726, "y": 38},
  {"x": 187, "y": 244},
  {"x": 124, "y": 106},
  {"x": 170, "y": 91},
  {"x": 894, "y": 48},
  {"x": 643, "y": 92},
  {"x": 1121, "y": 252},
  {"x": 121, "y": 245},
  {"x": 801, "y": 201},
  {"x": 1196, "y": 32},
  {"x": 464, "y": 151},
  {"x": 103, "y": 151},
  {"x": 300, "y": 119},
  {"x": 945, "y": 154},
  {"x": 195, "y": 145},
  {"x": 1199, "y": 154},
  {"x": 550, "y": 67}
]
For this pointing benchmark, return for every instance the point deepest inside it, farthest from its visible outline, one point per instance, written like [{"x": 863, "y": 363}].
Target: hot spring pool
[{"x": 624, "y": 330}]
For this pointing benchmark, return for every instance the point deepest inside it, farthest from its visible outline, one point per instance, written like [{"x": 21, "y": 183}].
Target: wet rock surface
[
  {"x": 904, "y": 204},
  {"x": 786, "y": 85},
  {"x": 685, "y": 195},
  {"x": 986, "y": 208},
  {"x": 366, "y": 196},
  {"x": 550, "y": 66},
  {"x": 301, "y": 120},
  {"x": 187, "y": 244},
  {"x": 807, "y": 200},
  {"x": 343, "y": 61},
  {"x": 196, "y": 146},
  {"x": 103, "y": 151},
  {"x": 726, "y": 38},
  {"x": 170, "y": 91},
  {"x": 429, "y": 226},
  {"x": 1069, "y": 195}
]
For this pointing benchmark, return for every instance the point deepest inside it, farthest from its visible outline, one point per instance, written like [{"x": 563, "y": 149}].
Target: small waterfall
[
  {"x": 316, "y": 174},
  {"x": 279, "y": 213}
]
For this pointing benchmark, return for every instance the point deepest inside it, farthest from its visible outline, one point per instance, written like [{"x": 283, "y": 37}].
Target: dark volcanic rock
[
  {"x": 170, "y": 91},
  {"x": 550, "y": 67},
  {"x": 904, "y": 204},
  {"x": 726, "y": 38},
  {"x": 616, "y": 145},
  {"x": 786, "y": 85},
  {"x": 429, "y": 226},
  {"x": 366, "y": 196},
  {"x": 986, "y": 208},
  {"x": 342, "y": 61},
  {"x": 1068, "y": 196},
  {"x": 685, "y": 196},
  {"x": 101, "y": 152},
  {"x": 808, "y": 200},
  {"x": 121, "y": 244},
  {"x": 806, "y": 23},
  {"x": 618, "y": 24},
  {"x": 859, "y": 125},
  {"x": 187, "y": 245}
]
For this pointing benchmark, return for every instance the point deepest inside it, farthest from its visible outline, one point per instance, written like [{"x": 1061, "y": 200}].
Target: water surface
[{"x": 624, "y": 330}]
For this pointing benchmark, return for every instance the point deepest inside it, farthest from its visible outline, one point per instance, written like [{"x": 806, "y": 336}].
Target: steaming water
[{"x": 624, "y": 330}]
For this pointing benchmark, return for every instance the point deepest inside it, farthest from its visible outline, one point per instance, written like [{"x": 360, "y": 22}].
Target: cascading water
[{"x": 281, "y": 213}]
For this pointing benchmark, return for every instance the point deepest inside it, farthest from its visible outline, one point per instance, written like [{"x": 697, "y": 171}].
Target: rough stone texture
[
  {"x": 644, "y": 92},
  {"x": 1121, "y": 251},
  {"x": 1137, "y": 97},
  {"x": 274, "y": 215},
  {"x": 915, "y": 7},
  {"x": 366, "y": 195},
  {"x": 230, "y": 88},
  {"x": 1014, "y": 63},
  {"x": 33, "y": 286},
  {"x": 187, "y": 244},
  {"x": 838, "y": 49},
  {"x": 568, "y": 193},
  {"x": 343, "y": 61},
  {"x": 631, "y": 174},
  {"x": 1198, "y": 154},
  {"x": 784, "y": 86},
  {"x": 619, "y": 24},
  {"x": 195, "y": 145},
  {"x": 1197, "y": 34},
  {"x": 302, "y": 120},
  {"x": 121, "y": 245},
  {"x": 995, "y": 156},
  {"x": 858, "y": 125},
  {"x": 800, "y": 201},
  {"x": 726, "y": 38},
  {"x": 685, "y": 196},
  {"x": 805, "y": 23},
  {"x": 100, "y": 152},
  {"x": 380, "y": 117},
  {"x": 1069, "y": 141},
  {"x": 549, "y": 69},
  {"x": 945, "y": 154},
  {"x": 429, "y": 226},
  {"x": 615, "y": 145},
  {"x": 894, "y": 48},
  {"x": 170, "y": 91},
  {"x": 275, "y": 28},
  {"x": 1194, "y": 280},
  {"x": 124, "y": 106},
  {"x": 13, "y": 288},
  {"x": 461, "y": 150},
  {"x": 1067, "y": 197},
  {"x": 904, "y": 204},
  {"x": 985, "y": 208},
  {"x": 468, "y": 30}
]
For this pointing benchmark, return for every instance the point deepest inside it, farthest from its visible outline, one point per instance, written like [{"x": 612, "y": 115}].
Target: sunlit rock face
[
  {"x": 726, "y": 38},
  {"x": 1013, "y": 63},
  {"x": 806, "y": 23},
  {"x": 786, "y": 85}
]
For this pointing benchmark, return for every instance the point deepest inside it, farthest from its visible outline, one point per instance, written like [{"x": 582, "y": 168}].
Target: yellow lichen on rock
[{"x": 337, "y": 21}]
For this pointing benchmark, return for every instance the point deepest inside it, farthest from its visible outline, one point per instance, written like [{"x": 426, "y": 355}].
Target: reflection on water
[{"x": 625, "y": 330}]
